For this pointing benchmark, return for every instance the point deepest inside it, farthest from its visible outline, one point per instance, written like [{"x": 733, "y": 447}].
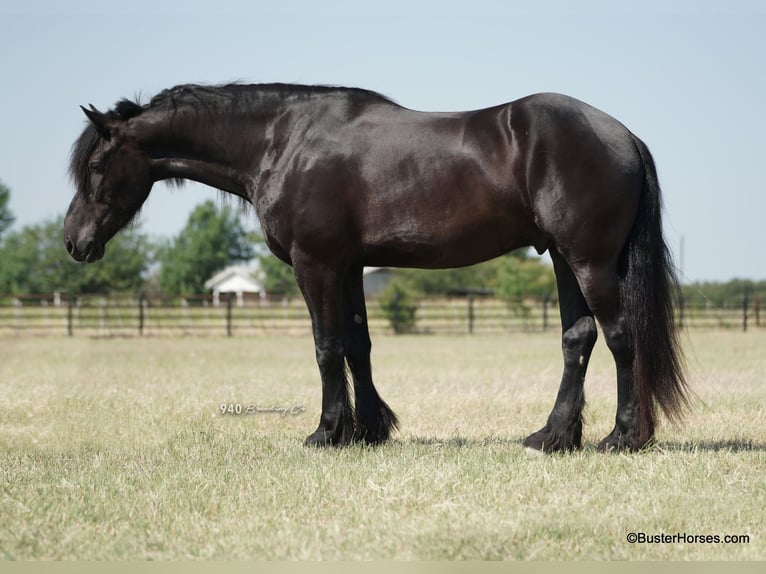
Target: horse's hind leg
[
  {"x": 602, "y": 292},
  {"x": 563, "y": 431},
  {"x": 373, "y": 419},
  {"x": 322, "y": 289}
]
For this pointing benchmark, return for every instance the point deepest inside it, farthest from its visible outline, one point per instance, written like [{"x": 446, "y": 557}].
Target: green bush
[{"x": 399, "y": 305}]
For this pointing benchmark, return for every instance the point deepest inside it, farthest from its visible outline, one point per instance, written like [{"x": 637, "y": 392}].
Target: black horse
[{"x": 342, "y": 178}]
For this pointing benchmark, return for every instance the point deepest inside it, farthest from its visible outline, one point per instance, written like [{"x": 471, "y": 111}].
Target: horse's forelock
[{"x": 81, "y": 151}]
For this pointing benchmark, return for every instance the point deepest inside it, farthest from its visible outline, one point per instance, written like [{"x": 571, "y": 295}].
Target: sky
[{"x": 686, "y": 76}]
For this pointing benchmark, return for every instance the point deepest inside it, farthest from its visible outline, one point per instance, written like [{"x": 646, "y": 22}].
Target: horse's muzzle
[{"x": 89, "y": 252}]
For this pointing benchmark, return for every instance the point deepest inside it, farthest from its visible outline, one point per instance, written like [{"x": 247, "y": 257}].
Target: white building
[{"x": 237, "y": 279}]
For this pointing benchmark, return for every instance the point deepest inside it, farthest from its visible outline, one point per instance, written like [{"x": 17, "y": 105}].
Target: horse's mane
[
  {"x": 243, "y": 97},
  {"x": 188, "y": 98}
]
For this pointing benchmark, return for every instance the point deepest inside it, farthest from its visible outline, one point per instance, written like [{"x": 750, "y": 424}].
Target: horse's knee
[
  {"x": 618, "y": 340},
  {"x": 329, "y": 353},
  {"x": 578, "y": 341}
]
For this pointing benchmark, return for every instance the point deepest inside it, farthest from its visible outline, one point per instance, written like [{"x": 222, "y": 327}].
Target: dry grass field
[{"x": 118, "y": 449}]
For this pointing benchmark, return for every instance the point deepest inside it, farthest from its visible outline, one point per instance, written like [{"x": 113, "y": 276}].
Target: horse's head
[{"x": 113, "y": 178}]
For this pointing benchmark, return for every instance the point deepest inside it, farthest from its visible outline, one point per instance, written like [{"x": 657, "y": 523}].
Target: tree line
[
  {"x": 33, "y": 260},
  {"x": 724, "y": 294}
]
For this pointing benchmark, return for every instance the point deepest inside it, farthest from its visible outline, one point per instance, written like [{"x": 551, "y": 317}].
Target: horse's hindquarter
[
  {"x": 435, "y": 190},
  {"x": 581, "y": 172}
]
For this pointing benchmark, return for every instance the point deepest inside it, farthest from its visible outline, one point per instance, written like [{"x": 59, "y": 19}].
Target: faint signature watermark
[{"x": 253, "y": 409}]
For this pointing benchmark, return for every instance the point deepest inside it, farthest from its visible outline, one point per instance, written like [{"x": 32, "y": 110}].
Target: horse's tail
[{"x": 648, "y": 292}]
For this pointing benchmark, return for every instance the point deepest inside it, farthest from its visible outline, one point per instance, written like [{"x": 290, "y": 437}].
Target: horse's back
[{"x": 434, "y": 189}]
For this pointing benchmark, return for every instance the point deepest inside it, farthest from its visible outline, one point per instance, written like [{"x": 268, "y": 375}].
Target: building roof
[{"x": 235, "y": 278}]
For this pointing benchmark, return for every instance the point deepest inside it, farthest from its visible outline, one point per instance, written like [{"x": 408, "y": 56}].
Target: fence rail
[{"x": 100, "y": 316}]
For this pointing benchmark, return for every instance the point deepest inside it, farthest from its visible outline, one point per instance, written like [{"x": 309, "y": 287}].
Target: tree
[
  {"x": 520, "y": 275},
  {"x": 278, "y": 276},
  {"x": 6, "y": 217},
  {"x": 446, "y": 281},
  {"x": 34, "y": 260},
  {"x": 212, "y": 239},
  {"x": 399, "y": 305},
  {"x": 123, "y": 268}
]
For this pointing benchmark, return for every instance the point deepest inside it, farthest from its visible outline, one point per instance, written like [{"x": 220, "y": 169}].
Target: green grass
[{"x": 116, "y": 449}]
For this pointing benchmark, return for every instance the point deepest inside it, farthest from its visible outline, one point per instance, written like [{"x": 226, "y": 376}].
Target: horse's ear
[{"x": 100, "y": 120}]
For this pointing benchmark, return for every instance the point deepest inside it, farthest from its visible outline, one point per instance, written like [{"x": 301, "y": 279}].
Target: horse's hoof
[
  {"x": 368, "y": 438},
  {"x": 371, "y": 435},
  {"x": 614, "y": 444},
  {"x": 375, "y": 425},
  {"x": 619, "y": 442},
  {"x": 319, "y": 439},
  {"x": 549, "y": 440}
]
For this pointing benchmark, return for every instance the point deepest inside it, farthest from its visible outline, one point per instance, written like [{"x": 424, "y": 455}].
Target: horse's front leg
[
  {"x": 322, "y": 289},
  {"x": 374, "y": 420}
]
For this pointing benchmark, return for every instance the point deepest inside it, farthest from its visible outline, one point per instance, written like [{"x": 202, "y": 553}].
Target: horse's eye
[{"x": 96, "y": 167}]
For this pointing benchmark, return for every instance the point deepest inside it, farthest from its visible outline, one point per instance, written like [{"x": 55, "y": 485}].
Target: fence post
[
  {"x": 545, "y": 312},
  {"x": 470, "y": 313},
  {"x": 102, "y": 316},
  {"x": 681, "y": 307},
  {"x": 141, "y": 305},
  {"x": 69, "y": 315},
  {"x": 744, "y": 310},
  {"x": 229, "y": 304}
]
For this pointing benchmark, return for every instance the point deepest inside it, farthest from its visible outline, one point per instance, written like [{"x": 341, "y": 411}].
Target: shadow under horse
[{"x": 343, "y": 178}]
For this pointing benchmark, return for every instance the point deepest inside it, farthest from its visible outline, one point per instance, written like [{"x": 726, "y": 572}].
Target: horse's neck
[
  {"x": 220, "y": 155},
  {"x": 213, "y": 174}
]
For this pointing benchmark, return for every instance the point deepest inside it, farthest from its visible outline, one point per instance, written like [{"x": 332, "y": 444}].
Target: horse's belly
[{"x": 435, "y": 240}]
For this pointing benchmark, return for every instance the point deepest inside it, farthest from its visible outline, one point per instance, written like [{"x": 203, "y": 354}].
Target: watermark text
[
  {"x": 687, "y": 538},
  {"x": 253, "y": 409}
]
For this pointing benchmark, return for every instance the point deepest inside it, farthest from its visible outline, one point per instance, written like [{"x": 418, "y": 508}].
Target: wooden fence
[{"x": 100, "y": 316}]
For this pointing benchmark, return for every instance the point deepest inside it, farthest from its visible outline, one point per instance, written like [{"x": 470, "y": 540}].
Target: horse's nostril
[{"x": 69, "y": 245}]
